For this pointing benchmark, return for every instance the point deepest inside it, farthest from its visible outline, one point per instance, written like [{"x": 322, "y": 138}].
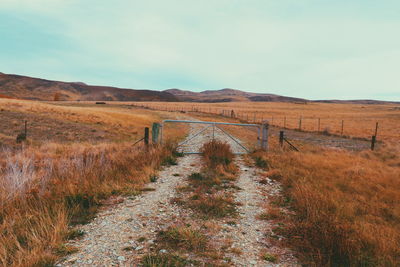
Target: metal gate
[{"x": 212, "y": 130}]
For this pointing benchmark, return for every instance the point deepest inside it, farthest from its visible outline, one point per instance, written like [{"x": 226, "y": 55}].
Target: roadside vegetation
[
  {"x": 45, "y": 190},
  {"x": 74, "y": 158},
  {"x": 209, "y": 190},
  {"x": 209, "y": 195},
  {"x": 346, "y": 205}
]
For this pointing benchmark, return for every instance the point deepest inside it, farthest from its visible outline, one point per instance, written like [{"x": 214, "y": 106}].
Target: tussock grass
[
  {"x": 214, "y": 205},
  {"x": 347, "y": 204},
  {"x": 166, "y": 260},
  {"x": 44, "y": 190},
  {"x": 183, "y": 237},
  {"x": 217, "y": 153},
  {"x": 205, "y": 187}
]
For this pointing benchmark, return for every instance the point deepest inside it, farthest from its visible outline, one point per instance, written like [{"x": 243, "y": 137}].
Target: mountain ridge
[{"x": 24, "y": 87}]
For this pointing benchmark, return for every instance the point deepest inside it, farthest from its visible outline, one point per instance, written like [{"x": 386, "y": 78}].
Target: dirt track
[{"x": 111, "y": 239}]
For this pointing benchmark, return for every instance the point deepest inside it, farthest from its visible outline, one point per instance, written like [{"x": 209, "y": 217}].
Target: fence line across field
[{"x": 284, "y": 121}]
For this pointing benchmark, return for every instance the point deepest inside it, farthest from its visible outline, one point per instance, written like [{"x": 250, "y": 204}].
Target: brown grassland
[
  {"x": 346, "y": 204},
  {"x": 49, "y": 183}
]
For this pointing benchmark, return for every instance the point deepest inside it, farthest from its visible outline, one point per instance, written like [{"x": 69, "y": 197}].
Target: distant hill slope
[
  {"x": 23, "y": 87},
  {"x": 229, "y": 95}
]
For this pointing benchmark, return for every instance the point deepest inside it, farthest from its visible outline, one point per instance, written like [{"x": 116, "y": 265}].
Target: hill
[
  {"x": 229, "y": 95},
  {"x": 16, "y": 86},
  {"x": 23, "y": 87}
]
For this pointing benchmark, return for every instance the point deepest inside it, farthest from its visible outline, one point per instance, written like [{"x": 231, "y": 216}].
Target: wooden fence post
[
  {"x": 155, "y": 132},
  {"x": 281, "y": 136},
  {"x": 284, "y": 122},
  {"x": 319, "y": 124},
  {"x": 373, "y": 140},
  {"x": 376, "y": 129},
  {"x": 341, "y": 133},
  {"x": 264, "y": 140},
  {"x": 146, "y": 136},
  {"x": 300, "y": 123}
]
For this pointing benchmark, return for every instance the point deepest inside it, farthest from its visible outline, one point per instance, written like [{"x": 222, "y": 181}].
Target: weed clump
[
  {"x": 215, "y": 205},
  {"x": 196, "y": 176},
  {"x": 165, "y": 260},
  {"x": 261, "y": 163},
  {"x": 169, "y": 161},
  {"x": 183, "y": 237},
  {"x": 269, "y": 257},
  {"x": 153, "y": 178}
]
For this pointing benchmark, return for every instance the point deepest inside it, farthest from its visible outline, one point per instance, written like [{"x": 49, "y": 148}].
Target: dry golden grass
[
  {"x": 347, "y": 204},
  {"x": 45, "y": 187},
  {"x": 359, "y": 119},
  {"x": 76, "y": 122},
  {"x": 43, "y": 190}
]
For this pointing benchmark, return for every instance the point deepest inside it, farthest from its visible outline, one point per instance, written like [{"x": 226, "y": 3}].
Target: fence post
[
  {"x": 376, "y": 129},
  {"x": 281, "y": 136},
  {"x": 284, "y": 122},
  {"x": 300, "y": 123},
  {"x": 155, "y": 132},
  {"x": 319, "y": 124},
  {"x": 146, "y": 136},
  {"x": 373, "y": 140},
  {"x": 341, "y": 133},
  {"x": 264, "y": 140},
  {"x": 26, "y": 129}
]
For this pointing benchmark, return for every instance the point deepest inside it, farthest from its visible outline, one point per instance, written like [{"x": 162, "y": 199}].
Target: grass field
[
  {"x": 358, "y": 120},
  {"x": 346, "y": 204},
  {"x": 75, "y": 122},
  {"x": 52, "y": 180}
]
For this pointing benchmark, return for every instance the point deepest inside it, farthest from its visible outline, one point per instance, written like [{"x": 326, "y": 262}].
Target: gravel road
[{"x": 122, "y": 233}]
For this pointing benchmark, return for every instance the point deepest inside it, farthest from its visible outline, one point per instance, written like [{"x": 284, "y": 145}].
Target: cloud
[{"x": 306, "y": 49}]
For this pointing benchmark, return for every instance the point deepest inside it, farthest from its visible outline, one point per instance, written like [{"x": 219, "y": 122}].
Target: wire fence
[{"x": 345, "y": 127}]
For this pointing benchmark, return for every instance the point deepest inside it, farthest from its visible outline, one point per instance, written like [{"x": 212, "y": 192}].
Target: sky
[{"x": 315, "y": 49}]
